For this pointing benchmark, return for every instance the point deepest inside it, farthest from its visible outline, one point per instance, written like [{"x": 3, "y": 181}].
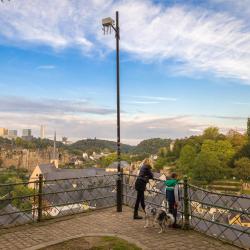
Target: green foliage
[
  {"x": 151, "y": 146},
  {"x": 186, "y": 160},
  {"x": 212, "y": 162},
  {"x": 22, "y": 203},
  {"x": 237, "y": 139},
  {"x": 163, "y": 152},
  {"x": 138, "y": 157},
  {"x": 105, "y": 161},
  {"x": 96, "y": 145},
  {"x": 207, "y": 166},
  {"x": 243, "y": 152},
  {"x": 160, "y": 163},
  {"x": 211, "y": 133},
  {"x": 242, "y": 168},
  {"x": 223, "y": 149}
]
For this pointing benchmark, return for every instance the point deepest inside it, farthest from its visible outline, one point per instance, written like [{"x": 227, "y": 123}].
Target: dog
[{"x": 158, "y": 216}]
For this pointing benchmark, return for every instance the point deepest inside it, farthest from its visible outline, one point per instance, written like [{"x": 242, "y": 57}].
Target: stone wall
[{"x": 28, "y": 159}]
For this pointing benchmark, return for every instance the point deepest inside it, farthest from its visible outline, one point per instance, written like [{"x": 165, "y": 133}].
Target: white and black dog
[{"x": 158, "y": 216}]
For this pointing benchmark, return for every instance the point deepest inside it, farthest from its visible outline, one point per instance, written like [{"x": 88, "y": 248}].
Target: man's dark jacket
[{"x": 144, "y": 175}]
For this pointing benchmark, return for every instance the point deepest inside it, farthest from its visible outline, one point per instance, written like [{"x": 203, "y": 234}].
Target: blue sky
[{"x": 184, "y": 67}]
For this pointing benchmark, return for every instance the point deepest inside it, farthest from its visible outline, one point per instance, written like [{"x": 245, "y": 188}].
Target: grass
[
  {"x": 94, "y": 243},
  {"x": 114, "y": 243}
]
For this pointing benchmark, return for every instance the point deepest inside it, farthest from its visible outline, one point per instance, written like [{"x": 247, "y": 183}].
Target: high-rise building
[
  {"x": 42, "y": 132},
  {"x": 26, "y": 135},
  {"x": 12, "y": 134},
  {"x": 27, "y": 132},
  {"x": 3, "y": 132}
]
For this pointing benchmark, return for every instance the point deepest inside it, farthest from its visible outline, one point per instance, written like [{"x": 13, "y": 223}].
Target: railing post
[
  {"x": 186, "y": 204},
  {"x": 40, "y": 198}
]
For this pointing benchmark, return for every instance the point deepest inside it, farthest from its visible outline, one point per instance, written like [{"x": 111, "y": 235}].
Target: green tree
[
  {"x": 207, "y": 167},
  {"x": 186, "y": 160},
  {"x": 22, "y": 203},
  {"x": 213, "y": 160},
  {"x": 211, "y": 133},
  {"x": 237, "y": 139},
  {"x": 160, "y": 163},
  {"x": 107, "y": 160},
  {"x": 242, "y": 168},
  {"x": 223, "y": 150},
  {"x": 163, "y": 152}
]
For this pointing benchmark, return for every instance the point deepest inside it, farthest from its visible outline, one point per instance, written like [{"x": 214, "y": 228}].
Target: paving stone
[{"x": 106, "y": 221}]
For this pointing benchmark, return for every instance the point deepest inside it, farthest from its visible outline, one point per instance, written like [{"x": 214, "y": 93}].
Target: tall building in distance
[
  {"x": 42, "y": 132},
  {"x": 12, "y": 134},
  {"x": 27, "y": 134},
  {"x": 3, "y": 132}
]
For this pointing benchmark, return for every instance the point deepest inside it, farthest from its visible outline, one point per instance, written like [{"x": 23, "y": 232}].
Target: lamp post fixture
[{"x": 109, "y": 24}]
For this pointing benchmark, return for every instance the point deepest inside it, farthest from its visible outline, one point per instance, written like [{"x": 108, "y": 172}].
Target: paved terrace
[{"x": 105, "y": 222}]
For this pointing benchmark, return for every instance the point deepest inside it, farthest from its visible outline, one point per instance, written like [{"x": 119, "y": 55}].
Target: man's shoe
[
  {"x": 137, "y": 217},
  {"x": 176, "y": 226}
]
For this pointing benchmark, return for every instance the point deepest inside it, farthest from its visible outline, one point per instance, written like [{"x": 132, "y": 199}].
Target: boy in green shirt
[{"x": 172, "y": 196}]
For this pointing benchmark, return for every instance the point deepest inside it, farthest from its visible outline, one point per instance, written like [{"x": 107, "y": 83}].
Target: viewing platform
[
  {"x": 56, "y": 210},
  {"x": 105, "y": 222}
]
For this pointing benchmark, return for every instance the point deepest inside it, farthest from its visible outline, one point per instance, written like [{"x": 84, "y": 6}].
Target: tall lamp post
[{"x": 109, "y": 24}]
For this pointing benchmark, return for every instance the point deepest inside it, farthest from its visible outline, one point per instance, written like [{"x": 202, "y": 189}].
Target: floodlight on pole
[{"x": 109, "y": 24}]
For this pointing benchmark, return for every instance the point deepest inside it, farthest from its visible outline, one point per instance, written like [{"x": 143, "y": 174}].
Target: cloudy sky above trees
[{"x": 184, "y": 66}]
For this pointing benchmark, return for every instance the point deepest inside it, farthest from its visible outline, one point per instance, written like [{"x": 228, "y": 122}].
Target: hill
[
  {"x": 151, "y": 146},
  {"x": 97, "y": 145}
]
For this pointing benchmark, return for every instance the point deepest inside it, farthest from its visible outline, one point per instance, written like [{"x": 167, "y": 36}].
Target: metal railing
[
  {"x": 223, "y": 216},
  {"x": 52, "y": 198}
]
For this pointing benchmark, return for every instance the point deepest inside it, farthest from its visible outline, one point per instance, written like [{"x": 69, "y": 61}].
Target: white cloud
[
  {"x": 143, "y": 102},
  {"x": 55, "y": 107},
  {"x": 197, "y": 39},
  {"x": 133, "y": 128}
]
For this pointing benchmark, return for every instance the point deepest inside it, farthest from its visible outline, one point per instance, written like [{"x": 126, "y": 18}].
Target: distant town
[{"x": 26, "y": 134}]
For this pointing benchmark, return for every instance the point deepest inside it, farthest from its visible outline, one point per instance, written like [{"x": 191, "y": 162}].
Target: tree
[
  {"x": 211, "y": 133},
  {"x": 223, "y": 150},
  {"x": 207, "y": 167},
  {"x": 22, "y": 203},
  {"x": 242, "y": 168},
  {"x": 163, "y": 152},
  {"x": 237, "y": 139},
  {"x": 213, "y": 160},
  {"x": 186, "y": 160},
  {"x": 160, "y": 163}
]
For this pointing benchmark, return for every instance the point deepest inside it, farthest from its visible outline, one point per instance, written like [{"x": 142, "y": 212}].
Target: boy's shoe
[{"x": 137, "y": 217}]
